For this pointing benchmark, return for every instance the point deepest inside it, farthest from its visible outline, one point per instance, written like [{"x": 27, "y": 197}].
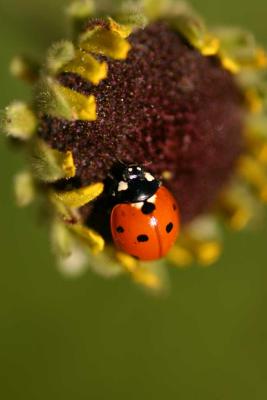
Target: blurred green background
[{"x": 92, "y": 338}]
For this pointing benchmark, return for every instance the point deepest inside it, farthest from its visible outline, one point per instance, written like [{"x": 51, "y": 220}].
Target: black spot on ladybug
[
  {"x": 142, "y": 238},
  {"x": 169, "y": 227},
  {"x": 136, "y": 257},
  {"x": 148, "y": 208},
  {"x": 119, "y": 229},
  {"x": 174, "y": 207}
]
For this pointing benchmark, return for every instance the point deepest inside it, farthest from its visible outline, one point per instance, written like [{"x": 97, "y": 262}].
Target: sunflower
[{"x": 152, "y": 85}]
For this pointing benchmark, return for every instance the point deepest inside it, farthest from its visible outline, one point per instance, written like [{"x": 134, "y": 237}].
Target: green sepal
[
  {"x": 58, "y": 55},
  {"x": 19, "y": 121},
  {"x": 61, "y": 239},
  {"x": 50, "y": 100},
  {"x": 61, "y": 102},
  {"x": 25, "y": 68},
  {"x": 24, "y": 188},
  {"x": 78, "y": 12},
  {"x": 46, "y": 163}
]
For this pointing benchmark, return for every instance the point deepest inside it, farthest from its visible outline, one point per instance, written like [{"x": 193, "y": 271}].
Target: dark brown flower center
[{"x": 166, "y": 104}]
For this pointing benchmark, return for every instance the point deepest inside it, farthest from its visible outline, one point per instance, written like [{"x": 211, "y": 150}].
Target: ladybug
[{"x": 145, "y": 219}]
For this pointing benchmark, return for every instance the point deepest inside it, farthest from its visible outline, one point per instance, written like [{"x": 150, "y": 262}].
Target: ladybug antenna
[
  {"x": 146, "y": 163},
  {"x": 110, "y": 175},
  {"x": 120, "y": 161}
]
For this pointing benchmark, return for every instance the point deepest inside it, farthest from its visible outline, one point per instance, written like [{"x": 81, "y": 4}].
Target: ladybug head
[
  {"x": 135, "y": 185},
  {"x": 133, "y": 172}
]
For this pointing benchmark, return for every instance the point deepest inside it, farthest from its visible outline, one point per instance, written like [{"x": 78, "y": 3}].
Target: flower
[{"x": 153, "y": 86}]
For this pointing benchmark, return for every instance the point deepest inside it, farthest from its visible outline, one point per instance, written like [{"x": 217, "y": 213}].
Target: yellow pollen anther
[{"x": 167, "y": 175}]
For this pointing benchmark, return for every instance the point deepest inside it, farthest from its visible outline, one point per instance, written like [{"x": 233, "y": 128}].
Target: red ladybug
[{"x": 145, "y": 220}]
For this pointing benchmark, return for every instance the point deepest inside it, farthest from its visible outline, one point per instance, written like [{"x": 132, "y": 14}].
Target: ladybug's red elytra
[{"x": 145, "y": 220}]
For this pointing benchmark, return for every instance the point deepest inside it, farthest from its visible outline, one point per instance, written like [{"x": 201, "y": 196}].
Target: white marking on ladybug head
[
  {"x": 149, "y": 177},
  {"x": 138, "y": 205},
  {"x": 122, "y": 186},
  {"x": 139, "y": 168},
  {"x": 130, "y": 169},
  {"x": 152, "y": 199}
]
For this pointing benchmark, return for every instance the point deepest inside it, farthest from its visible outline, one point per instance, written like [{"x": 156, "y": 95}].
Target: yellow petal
[
  {"x": 150, "y": 275},
  {"x": 67, "y": 214},
  {"x": 261, "y": 58},
  {"x": 147, "y": 278},
  {"x": 255, "y": 174},
  {"x": 106, "y": 42},
  {"x": 254, "y": 101},
  {"x": 91, "y": 238},
  {"x": 122, "y": 30},
  {"x": 239, "y": 206},
  {"x": 82, "y": 107},
  {"x": 194, "y": 31},
  {"x": 128, "y": 262},
  {"x": 199, "y": 242},
  {"x": 208, "y": 253},
  {"x": 79, "y": 197},
  {"x": 106, "y": 264},
  {"x": 230, "y": 64},
  {"x": 209, "y": 46},
  {"x": 68, "y": 165},
  {"x": 180, "y": 256},
  {"x": 262, "y": 155},
  {"x": 87, "y": 67}
]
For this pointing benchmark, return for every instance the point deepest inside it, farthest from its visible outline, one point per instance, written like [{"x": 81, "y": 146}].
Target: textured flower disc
[
  {"x": 165, "y": 104},
  {"x": 156, "y": 88}
]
